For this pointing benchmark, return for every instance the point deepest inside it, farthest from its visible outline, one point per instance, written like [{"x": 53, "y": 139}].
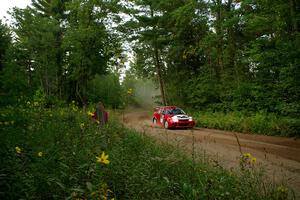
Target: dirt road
[{"x": 280, "y": 157}]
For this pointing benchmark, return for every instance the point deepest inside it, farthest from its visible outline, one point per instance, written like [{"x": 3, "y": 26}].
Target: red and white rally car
[{"x": 172, "y": 117}]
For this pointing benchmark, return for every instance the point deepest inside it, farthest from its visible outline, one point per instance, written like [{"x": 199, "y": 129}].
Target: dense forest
[
  {"x": 230, "y": 64},
  {"x": 207, "y": 55},
  {"x": 233, "y": 55}
]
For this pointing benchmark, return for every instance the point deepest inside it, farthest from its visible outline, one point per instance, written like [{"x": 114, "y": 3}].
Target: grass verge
[{"x": 258, "y": 123}]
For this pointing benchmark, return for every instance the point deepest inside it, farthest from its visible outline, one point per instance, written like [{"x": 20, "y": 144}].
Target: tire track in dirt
[{"x": 279, "y": 156}]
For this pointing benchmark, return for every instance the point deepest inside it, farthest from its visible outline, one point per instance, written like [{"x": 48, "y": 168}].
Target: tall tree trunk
[
  {"x": 293, "y": 8},
  {"x": 231, "y": 64},
  {"x": 80, "y": 84},
  {"x": 59, "y": 72},
  {"x": 158, "y": 67},
  {"x": 220, "y": 67},
  {"x": 46, "y": 82},
  {"x": 159, "y": 75}
]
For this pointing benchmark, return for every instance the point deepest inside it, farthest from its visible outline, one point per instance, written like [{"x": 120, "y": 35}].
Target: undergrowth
[
  {"x": 258, "y": 123},
  {"x": 59, "y": 153}
]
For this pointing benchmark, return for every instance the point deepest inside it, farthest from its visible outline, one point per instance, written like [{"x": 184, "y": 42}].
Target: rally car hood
[{"x": 180, "y": 116}]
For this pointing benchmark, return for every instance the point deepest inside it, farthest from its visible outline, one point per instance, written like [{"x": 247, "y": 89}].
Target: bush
[
  {"x": 106, "y": 88},
  {"x": 259, "y": 123}
]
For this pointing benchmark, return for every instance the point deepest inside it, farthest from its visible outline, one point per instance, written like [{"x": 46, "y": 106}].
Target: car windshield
[{"x": 176, "y": 111}]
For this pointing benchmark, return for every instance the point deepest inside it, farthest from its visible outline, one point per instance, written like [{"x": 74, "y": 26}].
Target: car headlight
[
  {"x": 190, "y": 119},
  {"x": 174, "y": 119}
]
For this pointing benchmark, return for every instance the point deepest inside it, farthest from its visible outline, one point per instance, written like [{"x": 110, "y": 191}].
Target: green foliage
[
  {"x": 239, "y": 61},
  {"x": 210, "y": 55},
  {"x": 37, "y": 42},
  {"x": 39, "y": 97},
  {"x": 15, "y": 79},
  {"x": 107, "y": 89},
  {"x": 259, "y": 123},
  {"x": 5, "y": 39},
  {"x": 13, "y": 84},
  {"x": 87, "y": 45},
  {"x": 224, "y": 55},
  {"x": 58, "y": 153},
  {"x": 59, "y": 47},
  {"x": 52, "y": 154}
]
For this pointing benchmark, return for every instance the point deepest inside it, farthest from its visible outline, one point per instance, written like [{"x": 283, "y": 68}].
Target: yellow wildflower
[
  {"x": 247, "y": 155},
  {"x": 40, "y": 154},
  {"x": 90, "y": 113},
  {"x": 18, "y": 149},
  {"x": 129, "y": 91},
  {"x": 103, "y": 158},
  {"x": 82, "y": 125},
  {"x": 282, "y": 189},
  {"x": 253, "y": 160}
]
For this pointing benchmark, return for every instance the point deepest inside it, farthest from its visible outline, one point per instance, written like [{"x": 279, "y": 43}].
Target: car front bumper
[{"x": 182, "y": 124}]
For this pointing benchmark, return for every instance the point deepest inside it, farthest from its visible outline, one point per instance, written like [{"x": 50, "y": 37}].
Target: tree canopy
[{"x": 209, "y": 55}]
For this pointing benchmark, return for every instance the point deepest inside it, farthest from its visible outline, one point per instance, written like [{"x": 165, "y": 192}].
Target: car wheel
[
  {"x": 154, "y": 121},
  {"x": 166, "y": 125}
]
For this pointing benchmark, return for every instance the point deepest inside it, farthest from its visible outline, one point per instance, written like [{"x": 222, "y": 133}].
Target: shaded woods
[
  {"x": 222, "y": 55},
  {"x": 212, "y": 56}
]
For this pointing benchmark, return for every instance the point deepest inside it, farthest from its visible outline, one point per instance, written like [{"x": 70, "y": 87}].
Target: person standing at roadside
[{"x": 100, "y": 115}]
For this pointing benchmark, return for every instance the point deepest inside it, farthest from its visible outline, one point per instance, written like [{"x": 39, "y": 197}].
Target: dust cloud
[{"x": 146, "y": 93}]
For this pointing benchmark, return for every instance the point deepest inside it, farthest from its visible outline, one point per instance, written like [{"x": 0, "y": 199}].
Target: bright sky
[{"x": 6, "y": 5}]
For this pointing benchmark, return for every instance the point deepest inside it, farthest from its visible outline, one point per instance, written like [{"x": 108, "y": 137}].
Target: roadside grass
[
  {"x": 51, "y": 154},
  {"x": 258, "y": 123}
]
